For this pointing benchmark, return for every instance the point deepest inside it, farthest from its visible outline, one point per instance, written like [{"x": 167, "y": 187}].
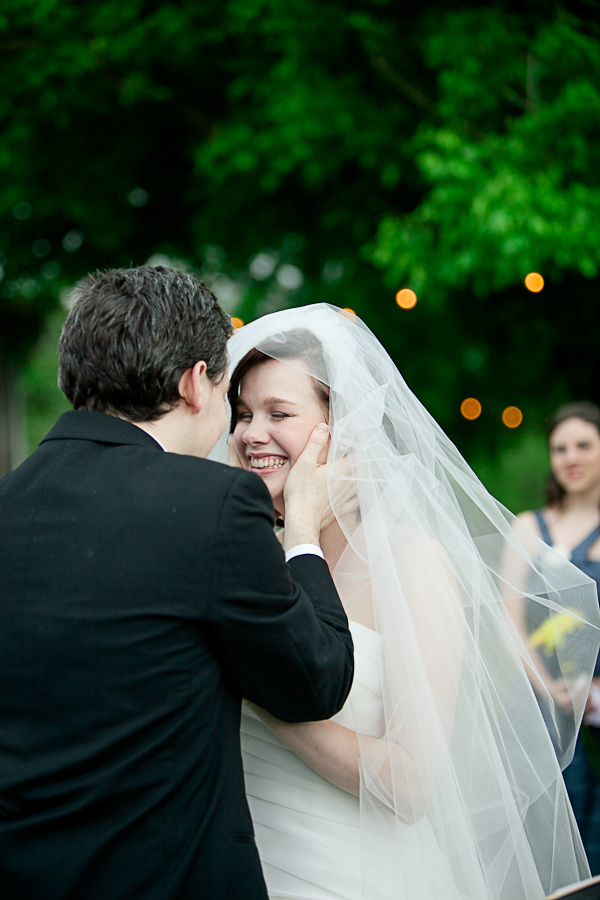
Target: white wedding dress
[
  {"x": 308, "y": 830},
  {"x": 436, "y": 562}
]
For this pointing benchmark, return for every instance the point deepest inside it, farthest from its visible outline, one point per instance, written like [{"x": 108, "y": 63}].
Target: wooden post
[{"x": 12, "y": 415}]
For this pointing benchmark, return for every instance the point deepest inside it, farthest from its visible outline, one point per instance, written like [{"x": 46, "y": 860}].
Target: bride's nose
[{"x": 256, "y": 433}]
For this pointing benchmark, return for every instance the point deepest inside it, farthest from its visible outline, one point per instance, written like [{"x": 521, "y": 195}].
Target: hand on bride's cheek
[{"x": 277, "y": 412}]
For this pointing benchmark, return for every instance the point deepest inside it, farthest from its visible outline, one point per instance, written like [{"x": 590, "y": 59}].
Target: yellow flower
[{"x": 554, "y": 630}]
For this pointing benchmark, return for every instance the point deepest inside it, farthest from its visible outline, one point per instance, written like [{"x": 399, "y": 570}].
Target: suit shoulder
[
  {"x": 247, "y": 485},
  {"x": 219, "y": 476},
  {"x": 234, "y": 495},
  {"x": 193, "y": 470}
]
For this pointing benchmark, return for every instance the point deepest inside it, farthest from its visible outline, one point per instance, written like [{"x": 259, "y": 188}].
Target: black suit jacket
[{"x": 142, "y": 595}]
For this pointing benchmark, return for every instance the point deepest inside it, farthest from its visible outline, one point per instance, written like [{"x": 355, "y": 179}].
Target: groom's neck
[{"x": 174, "y": 432}]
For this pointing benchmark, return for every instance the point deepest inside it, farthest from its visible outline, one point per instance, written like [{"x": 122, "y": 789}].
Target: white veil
[{"x": 466, "y": 741}]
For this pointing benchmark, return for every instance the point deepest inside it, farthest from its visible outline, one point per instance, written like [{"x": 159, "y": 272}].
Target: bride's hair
[{"x": 297, "y": 345}]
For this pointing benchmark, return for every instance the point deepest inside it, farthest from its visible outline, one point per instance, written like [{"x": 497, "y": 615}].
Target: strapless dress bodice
[{"x": 308, "y": 831}]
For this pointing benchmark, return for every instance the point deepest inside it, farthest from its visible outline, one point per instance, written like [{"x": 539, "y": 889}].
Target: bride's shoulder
[
  {"x": 425, "y": 571},
  {"x": 415, "y": 546}
]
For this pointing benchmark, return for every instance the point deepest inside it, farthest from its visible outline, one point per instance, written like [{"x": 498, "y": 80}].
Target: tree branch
[{"x": 412, "y": 93}]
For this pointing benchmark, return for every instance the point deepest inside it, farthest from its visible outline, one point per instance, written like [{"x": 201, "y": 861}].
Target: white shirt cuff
[{"x": 301, "y": 549}]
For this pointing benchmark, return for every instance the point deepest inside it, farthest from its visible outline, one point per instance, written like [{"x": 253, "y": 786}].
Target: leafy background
[{"x": 300, "y": 151}]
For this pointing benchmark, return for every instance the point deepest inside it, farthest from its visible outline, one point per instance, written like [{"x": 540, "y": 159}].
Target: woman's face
[
  {"x": 277, "y": 411},
  {"x": 575, "y": 455}
]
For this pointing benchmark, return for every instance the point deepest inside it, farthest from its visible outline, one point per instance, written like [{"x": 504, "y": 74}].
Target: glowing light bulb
[
  {"x": 406, "y": 298},
  {"x": 512, "y": 416},
  {"x": 534, "y": 282},
  {"x": 237, "y": 323},
  {"x": 470, "y": 408}
]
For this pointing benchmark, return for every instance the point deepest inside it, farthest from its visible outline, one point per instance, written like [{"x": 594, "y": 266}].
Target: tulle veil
[{"x": 466, "y": 741}]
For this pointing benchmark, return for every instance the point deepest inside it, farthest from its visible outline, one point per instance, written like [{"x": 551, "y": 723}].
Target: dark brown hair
[
  {"x": 589, "y": 412},
  {"x": 298, "y": 345},
  {"x": 131, "y": 335}
]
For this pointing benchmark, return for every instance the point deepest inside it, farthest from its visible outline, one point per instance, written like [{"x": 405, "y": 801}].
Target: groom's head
[{"x": 130, "y": 336}]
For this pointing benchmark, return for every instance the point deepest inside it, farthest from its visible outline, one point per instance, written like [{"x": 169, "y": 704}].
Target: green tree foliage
[
  {"x": 300, "y": 151},
  {"x": 513, "y": 183}
]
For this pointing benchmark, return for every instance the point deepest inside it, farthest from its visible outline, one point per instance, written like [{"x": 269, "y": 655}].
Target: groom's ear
[{"x": 191, "y": 386}]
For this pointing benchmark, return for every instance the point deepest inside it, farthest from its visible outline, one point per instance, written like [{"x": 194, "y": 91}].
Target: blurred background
[{"x": 434, "y": 167}]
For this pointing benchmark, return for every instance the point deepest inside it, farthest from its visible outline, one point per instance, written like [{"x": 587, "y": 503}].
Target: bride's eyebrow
[
  {"x": 268, "y": 401},
  {"x": 277, "y": 401}
]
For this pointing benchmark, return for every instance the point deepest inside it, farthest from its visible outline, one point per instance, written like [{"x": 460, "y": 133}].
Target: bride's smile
[
  {"x": 276, "y": 413},
  {"x": 267, "y": 462}
]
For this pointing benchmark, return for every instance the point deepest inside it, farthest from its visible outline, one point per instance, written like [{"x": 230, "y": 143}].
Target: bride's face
[{"x": 277, "y": 411}]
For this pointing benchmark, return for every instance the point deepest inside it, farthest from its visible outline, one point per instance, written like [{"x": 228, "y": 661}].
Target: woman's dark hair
[
  {"x": 131, "y": 335},
  {"x": 589, "y": 412},
  {"x": 300, "y": 344}
]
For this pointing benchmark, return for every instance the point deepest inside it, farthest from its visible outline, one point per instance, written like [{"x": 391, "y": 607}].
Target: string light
[
  {"x": 512, "y": 416},
  {"x": 470, "y": 408},
  {"x": 406, "y": 298},
  {"x": 534, "y": 282},
  {"x": 237, "y": 323},
  {"x": 348, "y": 313}
]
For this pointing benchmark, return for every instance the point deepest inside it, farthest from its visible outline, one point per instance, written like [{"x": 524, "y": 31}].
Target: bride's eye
[
  {"x": 280, "y": 415},
  {"x": 243, "y": 417}
]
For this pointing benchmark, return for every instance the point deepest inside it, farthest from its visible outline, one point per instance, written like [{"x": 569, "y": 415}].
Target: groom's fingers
[
  {"x": 344, "y": 496},
  {"x": 309, "y": 473},
  {"x": 316, "y": 449},
  {"x": 306, "y": 496}
]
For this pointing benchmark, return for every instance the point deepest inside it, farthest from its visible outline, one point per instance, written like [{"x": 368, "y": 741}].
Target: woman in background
[
  {"x": 570, "y": 523},
  {"x": 438, "y": 779}
]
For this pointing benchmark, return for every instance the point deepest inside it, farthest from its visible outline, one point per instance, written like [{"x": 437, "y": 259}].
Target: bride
[{"x": 438, "y": 779}]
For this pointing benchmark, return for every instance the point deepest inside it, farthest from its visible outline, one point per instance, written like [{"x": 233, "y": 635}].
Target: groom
[{"x": 142, "y": 595}]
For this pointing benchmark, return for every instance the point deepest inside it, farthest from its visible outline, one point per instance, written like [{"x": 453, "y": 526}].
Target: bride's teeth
[{"x": 268, "y": 462}]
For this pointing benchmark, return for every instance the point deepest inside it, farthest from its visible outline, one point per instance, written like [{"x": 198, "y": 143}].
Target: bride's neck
[{"x": 333, "y": 543}]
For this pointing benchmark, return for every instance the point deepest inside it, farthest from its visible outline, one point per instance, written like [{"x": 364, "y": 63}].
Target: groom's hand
[
  {"x": 306, "y": 496},
  {"x": 343, "y": 494}
]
